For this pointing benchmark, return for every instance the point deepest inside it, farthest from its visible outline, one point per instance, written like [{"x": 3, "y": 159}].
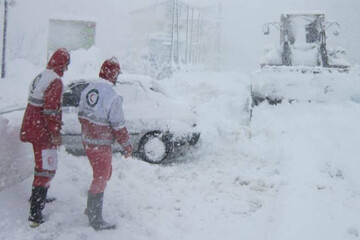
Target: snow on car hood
[{"x": 144, "y": 102}]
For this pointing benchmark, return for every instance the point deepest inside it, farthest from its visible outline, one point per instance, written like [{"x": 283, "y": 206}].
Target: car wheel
[{"x": 153, "y": 147}]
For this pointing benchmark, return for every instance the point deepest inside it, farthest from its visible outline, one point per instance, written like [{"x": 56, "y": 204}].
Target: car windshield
[{"x": 71, "y": 96}]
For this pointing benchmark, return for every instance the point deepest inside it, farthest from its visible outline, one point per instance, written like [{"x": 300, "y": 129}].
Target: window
[{"x": 71, "y": 97}]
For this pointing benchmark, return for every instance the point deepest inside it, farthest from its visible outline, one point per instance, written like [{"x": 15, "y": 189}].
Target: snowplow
[{"x": 302, "y": 67}]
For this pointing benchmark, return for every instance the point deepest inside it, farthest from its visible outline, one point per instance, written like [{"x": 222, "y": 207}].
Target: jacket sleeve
[
  {"x": 117, "y": 120},
  {"x": 52, "y": 107}
]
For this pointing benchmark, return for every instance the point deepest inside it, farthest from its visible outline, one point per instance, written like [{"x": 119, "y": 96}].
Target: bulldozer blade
[{"x": 280, "y": 84}]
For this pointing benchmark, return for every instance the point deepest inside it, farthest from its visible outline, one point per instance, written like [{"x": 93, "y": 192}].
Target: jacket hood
[
  {"x": 59, "y": 61},
  {"x": 110, "y": 70}
]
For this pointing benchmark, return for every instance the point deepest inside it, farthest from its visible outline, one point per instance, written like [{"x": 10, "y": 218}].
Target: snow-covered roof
[
  {"x": 146, "y": 8},
  {"x": 70, "y": 17},
  {"x": 303, "y": 13}
]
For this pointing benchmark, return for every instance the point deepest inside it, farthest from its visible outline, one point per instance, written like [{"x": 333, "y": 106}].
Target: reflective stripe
[
  {"x": 97, "y": 141},
  {"x": 127, "y": 143},
  {"x": 51, "y": 112},
  {"x": 94, "y": 119},
  {"x": 44, "y": 174},
  {"x": 34, "y": 101}
]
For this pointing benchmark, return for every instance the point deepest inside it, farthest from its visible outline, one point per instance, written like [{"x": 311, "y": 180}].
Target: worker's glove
[{"x": 127, "y": 151}]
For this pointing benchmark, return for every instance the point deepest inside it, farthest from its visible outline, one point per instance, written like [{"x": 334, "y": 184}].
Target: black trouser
[{"x": 37, "y": 204}]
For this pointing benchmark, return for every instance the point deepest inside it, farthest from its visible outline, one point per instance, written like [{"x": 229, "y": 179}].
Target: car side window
[{"x": 71, "y": 97}]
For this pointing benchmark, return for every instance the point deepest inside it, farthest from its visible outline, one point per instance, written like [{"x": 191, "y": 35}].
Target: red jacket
[
  {"x": 42, "y": 118},
  {"x": 103, "y": 135}
]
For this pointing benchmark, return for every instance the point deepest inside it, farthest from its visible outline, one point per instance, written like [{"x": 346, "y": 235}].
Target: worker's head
[
  {"x": 110, "y": 70},
  {"x": 59, "y": 61}
]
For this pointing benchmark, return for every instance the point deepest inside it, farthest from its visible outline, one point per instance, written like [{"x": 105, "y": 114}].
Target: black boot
[
  {"x": 94, "y": 212},
  {"x": 37, "y": 204},
  {"x": 48, "y": 199}
]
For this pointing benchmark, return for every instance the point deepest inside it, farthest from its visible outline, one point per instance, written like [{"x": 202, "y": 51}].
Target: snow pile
[
  {"x": 84, "y": 64},
  {"x": 220, "y": 100},
  {"x": 15, "y": 87},
  {"x": 272, "y": 55},
  {"x": 16, "y": 162},
  {"x": 304, "y": 54},
  {"x": 337, "y": 56}
]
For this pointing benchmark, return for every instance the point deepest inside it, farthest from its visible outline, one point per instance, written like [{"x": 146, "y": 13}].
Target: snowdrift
[{"x": 16, "y": 162}]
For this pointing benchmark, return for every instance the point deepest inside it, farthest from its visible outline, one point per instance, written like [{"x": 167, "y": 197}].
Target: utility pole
[
  {"x": 187, "y": 35},
  {"x": 201, "y": 30},
  {"x": 191, "y": 36},
  {"x": 172, "y": 35},
  {"x": 177, "y": 33},
  {"x": 218, "y": 39},
  {"x": 4, "y": 39},
  {"x": 197, "y": 40}
]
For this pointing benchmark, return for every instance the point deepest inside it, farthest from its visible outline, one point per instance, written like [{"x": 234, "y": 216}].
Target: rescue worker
[
  {"x": 41, "y": 127},
  {"x": 102, "y": 120}
]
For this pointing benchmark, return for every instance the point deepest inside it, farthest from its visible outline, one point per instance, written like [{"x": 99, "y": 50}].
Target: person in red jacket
[
  {"x": 102, "y": 120},
  {"x": 41, "y": 127}
]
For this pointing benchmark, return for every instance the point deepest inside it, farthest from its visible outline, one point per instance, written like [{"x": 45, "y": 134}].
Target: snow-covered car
[{"x": 158, "y": 126}]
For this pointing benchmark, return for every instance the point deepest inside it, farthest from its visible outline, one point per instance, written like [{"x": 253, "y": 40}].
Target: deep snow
[{"x": 291, "y": 173}]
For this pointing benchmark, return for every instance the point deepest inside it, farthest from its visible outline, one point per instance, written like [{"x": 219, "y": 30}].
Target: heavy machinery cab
[
  {"x": 303, "y": 42},
  {"x": 301, "y": 66},
  {"x": 302, "y": 28}
]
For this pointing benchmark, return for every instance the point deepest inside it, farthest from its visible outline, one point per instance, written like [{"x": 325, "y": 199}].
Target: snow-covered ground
[
  {"x": 289, "y": 174},
  {"x": 292, "y": 173}
]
